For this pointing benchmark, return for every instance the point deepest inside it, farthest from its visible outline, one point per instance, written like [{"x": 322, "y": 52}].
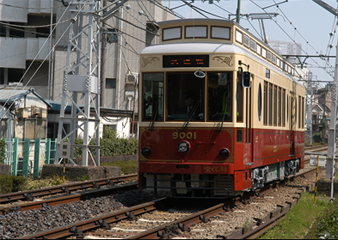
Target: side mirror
[{"x": 246, "y": 79}]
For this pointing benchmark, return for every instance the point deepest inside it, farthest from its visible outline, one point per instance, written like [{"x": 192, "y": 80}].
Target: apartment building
[{"x": 29, "y": 59}]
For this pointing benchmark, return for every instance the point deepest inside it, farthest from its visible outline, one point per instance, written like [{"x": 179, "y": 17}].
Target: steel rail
[
  {"x": 69, "y": 198},
  {"x": 29, "y": 195},
  {"x": 203, "y": 216},
  {"x": 102, "y": 221}
]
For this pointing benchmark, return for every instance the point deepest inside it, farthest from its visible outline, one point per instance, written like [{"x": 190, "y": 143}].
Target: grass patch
[
  {"x": 299, "y": 219},
  {"x": 127, "y": 167},
  {"x": 326, "y": 227},
  {"x": 32, "y": 184}
]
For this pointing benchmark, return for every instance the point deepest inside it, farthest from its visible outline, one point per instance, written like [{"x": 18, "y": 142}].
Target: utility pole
[
  {"x": 324, "y": 116},
  {"x": 331, "y": 151},
  {"x": 238, "y": 11},
  {"x": 308, "y": 111},
  {"x": 103, "y": 58},
  {"x": 84, "y": 43}
]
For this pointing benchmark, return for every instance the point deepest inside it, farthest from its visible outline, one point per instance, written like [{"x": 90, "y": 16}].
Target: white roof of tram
[{"x": 193, "y": 48}]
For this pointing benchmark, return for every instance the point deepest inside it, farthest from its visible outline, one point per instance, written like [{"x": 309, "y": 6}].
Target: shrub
[
  {"x": 317, "y": 138},
  {"x": 2, "y": 150},
  {"x": 18, "y": 183},
  {"x": 113, "y": 146},
  {"x": 6, "y": 185},
  {"x": 127, "y": 167}
]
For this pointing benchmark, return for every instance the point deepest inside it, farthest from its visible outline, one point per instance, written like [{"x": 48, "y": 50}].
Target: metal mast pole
[
  {"x": 330, "y": 169},
  {"x": 238, "y": 11},
  {"x": 82, "y": 77},
  {"x": 331, "y": 151},
  {"x": 308, "y": 112}
]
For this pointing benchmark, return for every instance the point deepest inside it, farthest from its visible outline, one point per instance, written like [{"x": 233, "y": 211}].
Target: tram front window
[
  {"x": 185, "y": 97},
  {"x": 153, "y": 97},
  {"x": 219, "y": 96}
]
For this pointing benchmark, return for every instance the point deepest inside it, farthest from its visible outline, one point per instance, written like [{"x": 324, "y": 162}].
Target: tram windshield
[
  {"x": 219, "y": 96},
  {"x": 185, "y": 97},
  {"x": 185, "y": 94}
]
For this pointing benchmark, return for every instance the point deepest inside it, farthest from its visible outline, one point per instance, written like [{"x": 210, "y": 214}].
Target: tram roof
[
  {"x": 196, "y": 20},
  {"x": 185, "y": 48}
]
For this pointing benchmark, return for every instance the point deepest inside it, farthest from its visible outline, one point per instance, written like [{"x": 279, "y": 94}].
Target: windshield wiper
[
  {"x": 151, "y": 125},
  {"x": 190, "y": 116},
  {"x": 222, "y": 117}
]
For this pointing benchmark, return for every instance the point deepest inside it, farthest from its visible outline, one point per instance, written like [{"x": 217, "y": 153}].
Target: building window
[
  {"x": 4, "y": 128},
  {"x": 110, "y": 127},
  {"x": 112, "y": 35},
  {"x": 15, "y": 74},
  {"x": 35, "y": 128},
  {"x": 2, "y": 31},
  {"x": 110, "y": 82},
  {"x": 2, "y": 76},
  {"x": 17, "y": 32}
]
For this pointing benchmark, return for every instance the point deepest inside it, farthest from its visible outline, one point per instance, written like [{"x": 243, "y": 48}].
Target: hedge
[
  {"x": 110, "y": 145},
  {"x": 2, "y": 151},
  {"x": 11, "y": 183}
]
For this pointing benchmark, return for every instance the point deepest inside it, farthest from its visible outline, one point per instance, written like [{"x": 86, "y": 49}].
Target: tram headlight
[
  {"x": 183, "y": 147},
  {"x": 146, "y": 151},
  {"x": 224, "y": 153}
]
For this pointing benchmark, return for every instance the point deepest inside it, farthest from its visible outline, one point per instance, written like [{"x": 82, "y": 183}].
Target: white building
[{"x": 28, "y": 57}]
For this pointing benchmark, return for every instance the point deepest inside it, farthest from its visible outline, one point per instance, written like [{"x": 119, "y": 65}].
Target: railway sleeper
[
  {"x": 183, "y": 227},
  {"x": 28, "y": 196},
  {"x": 77, "y": 232},
  {"x": 65, "y": 190},
  {"x": 168, "y": 232},
  {"x": 130, "y": 216},
  {"x": 203, "y": 218},
  {"x": 103, "y": 224}
]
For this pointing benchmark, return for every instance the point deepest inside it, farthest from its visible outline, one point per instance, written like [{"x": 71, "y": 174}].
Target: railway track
[
  {"x": 66, "y": 189},
  {"x": 176, "y": 227},
  {"x": 68, "y": 199}
]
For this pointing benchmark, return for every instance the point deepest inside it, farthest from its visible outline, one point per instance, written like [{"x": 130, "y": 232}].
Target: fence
[{"x": 28, "y": 155}]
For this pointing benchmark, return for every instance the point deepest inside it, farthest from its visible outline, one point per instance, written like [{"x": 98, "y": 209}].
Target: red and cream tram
[{"x": 219, "y": 112}]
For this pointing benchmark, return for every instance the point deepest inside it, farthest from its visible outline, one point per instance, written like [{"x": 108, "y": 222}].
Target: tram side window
[
  {"x": 265, "y": 120},
  {"x": 283, "y": 108},
  {"x": 185, "y": 97},
  {"x": 219, "y": 96},
  {"x": 153, "y": 97},
  {"x": 270, "y": 104},
  {"x": 303, "y": 113},
  {"x": 275, "y": 105},
  {"x": 279, "y": 107},
  {"x": 300, "y": 111}
]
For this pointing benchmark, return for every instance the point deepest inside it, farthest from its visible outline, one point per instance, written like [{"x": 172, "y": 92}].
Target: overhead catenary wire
[{"x": 288, "y": 35}]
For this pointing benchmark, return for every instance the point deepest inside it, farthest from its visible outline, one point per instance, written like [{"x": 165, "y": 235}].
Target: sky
[{"x": 301, "y": 21}]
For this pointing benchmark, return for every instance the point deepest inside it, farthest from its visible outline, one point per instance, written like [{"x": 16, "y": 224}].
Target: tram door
[
  {"x": 248, "y": 134},
  {"x": 292, "y": 123}
]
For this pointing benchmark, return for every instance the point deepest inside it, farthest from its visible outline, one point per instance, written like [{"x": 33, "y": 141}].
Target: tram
[{"x": 220, "y": 112}]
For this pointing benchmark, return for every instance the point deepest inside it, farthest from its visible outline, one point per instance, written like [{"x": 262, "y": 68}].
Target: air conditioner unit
[
  {"x": 36, "y": 112},
  {"x": 131, "y": 78},
  {"x": 23, "y": 113}
]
